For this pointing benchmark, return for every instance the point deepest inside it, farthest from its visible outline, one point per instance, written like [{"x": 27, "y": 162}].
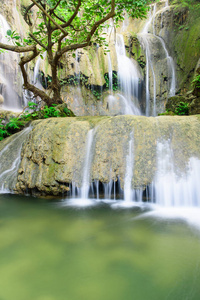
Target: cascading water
[
  {"x": 8, "y": 72},
  {"x": 87, "y": 165},
  {"x": 37, "y": 74},
  {"x": 171, "y": 183},
  {"x": 110, "y": 75},
  {"x": 171, "y": 68},
  {"x": 149, "y": 64},
  {"x": 171, "y": 189},
  {"x": 146, "y": 40},
  {"x": 129, "y": 80},
  {"x": 129, "y": 171},
  {"x": 9, "y": 167}
]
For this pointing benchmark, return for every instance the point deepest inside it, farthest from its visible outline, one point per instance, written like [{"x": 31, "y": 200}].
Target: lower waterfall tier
[{"x": 134, "y": 158}]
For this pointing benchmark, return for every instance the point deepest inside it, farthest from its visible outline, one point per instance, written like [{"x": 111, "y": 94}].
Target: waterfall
[
  {"x": 129, "y": 171},
  {"x": 145, "y": 39},
  {"x": 171, "y": 189},
  {"x": 36, "y": 74},
  {"x": 9, "y": 167},
  {"x": 87, "y": 165},
  {"x": 8, "y": 72},
  {"x": 110, "y": 75},
  {"x": 173, "y": 182},
  {"x": 171, "y": 68},
  {"x": 170, "y": 61},
  {"x": 129, "y": 79},
  {"x": 149, "y": 64}
]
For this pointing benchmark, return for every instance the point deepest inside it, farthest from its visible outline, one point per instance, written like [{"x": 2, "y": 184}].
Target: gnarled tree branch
[
  {"x": 48, "y": 16},
  {"x": 18, "y": 49}
]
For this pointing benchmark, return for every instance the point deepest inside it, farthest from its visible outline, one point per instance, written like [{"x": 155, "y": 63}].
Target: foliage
[
  {"x": 51, "y": 111},
  {"x": 191, "y": 4},
  {"x": 12, "y": 35},
  {"x": 13, "y": 126},
  {"x": 141, "y": 63},
  {"x": 16, "y": 124},
  {"x": 3, "y": 131},
  {"x": 64, "y": 26},
  {"x": 115, "y": 82},
  {"x": 167, "y": 113},
  {"x": 196, "y": 81},
  {"x": 182, "y": 109}
]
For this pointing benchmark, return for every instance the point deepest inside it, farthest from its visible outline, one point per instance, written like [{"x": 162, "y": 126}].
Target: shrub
[
  {"x": 196, "y": 81},
  {"x": 182, "y": 109}
]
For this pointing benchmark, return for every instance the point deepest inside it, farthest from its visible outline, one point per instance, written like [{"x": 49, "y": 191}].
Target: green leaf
[{"x": 9, "y": 32}]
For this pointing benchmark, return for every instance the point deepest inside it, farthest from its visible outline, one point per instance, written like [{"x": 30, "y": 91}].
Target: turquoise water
[{"x": 49, "y": 251}]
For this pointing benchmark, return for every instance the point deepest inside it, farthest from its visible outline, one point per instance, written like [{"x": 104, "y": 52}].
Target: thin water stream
[{"x": 145, "y": 38}]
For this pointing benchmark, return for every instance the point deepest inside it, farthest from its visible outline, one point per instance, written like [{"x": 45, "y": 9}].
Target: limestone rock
[{"x": 54, "y": 151}]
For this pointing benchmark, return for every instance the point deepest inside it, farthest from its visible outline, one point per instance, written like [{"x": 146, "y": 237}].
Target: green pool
[{"x": 51, "y": 251}]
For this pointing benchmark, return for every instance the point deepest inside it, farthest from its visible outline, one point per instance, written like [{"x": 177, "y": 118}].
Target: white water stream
[
  {"x": 171, "y": 189},
  {"x": 87, "y": 165},
  {"x": 129, "y": 79},
  {"x": 8, "y": 73},
  {"x": 145, "y": 39},
  {"x": 9, "y": 168},
  {"x": 168, "y": 188},
  {"x": 128, "y": 192}
]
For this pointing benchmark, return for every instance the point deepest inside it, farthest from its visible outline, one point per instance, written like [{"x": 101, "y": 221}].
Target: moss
[
  {"x": 167, "y": 113},
  {"x": 186, "y": 43}
]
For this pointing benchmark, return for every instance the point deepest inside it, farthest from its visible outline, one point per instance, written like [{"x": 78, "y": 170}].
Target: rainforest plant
[
  {"x": 196, "y": 81},
  {"x": 182, "y": 109}
]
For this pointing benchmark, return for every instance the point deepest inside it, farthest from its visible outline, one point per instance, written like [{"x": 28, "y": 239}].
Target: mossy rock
[
  {"x": 194, "y": 107},
  {"x": 64, "y": 110},
  {"x": 174, "y": 102}
]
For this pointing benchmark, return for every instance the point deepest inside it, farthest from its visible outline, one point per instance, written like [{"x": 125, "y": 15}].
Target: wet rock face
[
  {"x": 178, "y": 27},
  {"x": 190, "y": 99},
  {"x": 54, "y": 152}
]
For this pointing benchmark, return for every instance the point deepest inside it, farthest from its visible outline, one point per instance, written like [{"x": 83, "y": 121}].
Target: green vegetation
[
  {"x": 185, "y": 40},
  {"x": 18, "y": 123},
  {"x": 141, "y": 63},
  {"x": 191, "y": 4},
  {"x": 182, "y": 109},
  {"x": 13, "y": 126},
  {"x": 115, "y": 82},
  {"x": 196, "y": 81}
]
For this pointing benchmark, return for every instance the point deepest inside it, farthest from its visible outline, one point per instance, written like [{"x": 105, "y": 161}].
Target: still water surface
[{"x": 49, "y": 251}]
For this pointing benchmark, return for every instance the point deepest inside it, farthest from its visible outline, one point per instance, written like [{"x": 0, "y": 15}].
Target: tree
[{"x": 65, "y": 26}]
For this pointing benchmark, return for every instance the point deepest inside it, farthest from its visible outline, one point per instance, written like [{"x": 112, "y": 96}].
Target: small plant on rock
[
  {"x": 196, "y": 82},
  {"x": 182, "y": 109}
]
